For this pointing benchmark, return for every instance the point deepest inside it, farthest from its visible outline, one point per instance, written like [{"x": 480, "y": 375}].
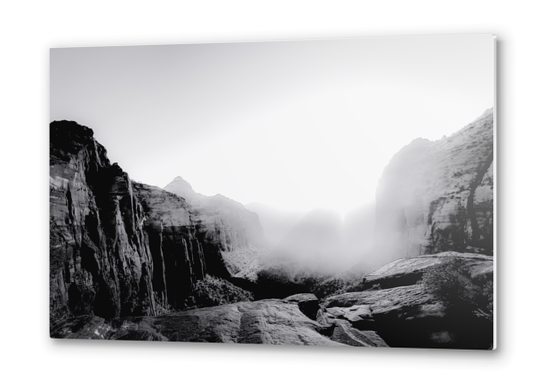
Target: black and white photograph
[{"x": 314, "y": 192}]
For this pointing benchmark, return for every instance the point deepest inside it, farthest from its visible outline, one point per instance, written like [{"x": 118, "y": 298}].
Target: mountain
[
  {"x": 181, "y": 187},
  {"x": 117, "y": 247},
  {"x": 437, "y": 196},
  {"x": 228, "y": 223}
]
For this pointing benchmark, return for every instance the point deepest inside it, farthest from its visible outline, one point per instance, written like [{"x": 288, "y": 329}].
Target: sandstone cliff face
[
  {"x": 181, "y": 253},
  {"x": 229, "y": 223},
  {"x": 117, "y": 248},
  {"x": 438, "y": 196},
  {"x": 235, "y": 230}
]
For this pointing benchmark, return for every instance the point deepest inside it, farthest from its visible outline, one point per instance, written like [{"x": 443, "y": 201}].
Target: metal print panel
[{"x": 326, "y": 192}]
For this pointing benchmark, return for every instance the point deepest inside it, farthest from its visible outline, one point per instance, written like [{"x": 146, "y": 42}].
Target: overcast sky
[{"x": 296, "y": 125}]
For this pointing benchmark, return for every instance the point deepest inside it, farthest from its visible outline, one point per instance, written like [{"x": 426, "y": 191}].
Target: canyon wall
[
  {"x": 117, "y": 247},
  {"x": 437, "y": 196},
  {"x": 228, "y": 222}
]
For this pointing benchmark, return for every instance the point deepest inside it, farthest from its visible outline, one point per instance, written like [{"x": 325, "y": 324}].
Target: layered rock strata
[
  {"x": 118, "y": 248},
  {"x": 236, "y": 230},
  {"x": 227, "y": 221}
]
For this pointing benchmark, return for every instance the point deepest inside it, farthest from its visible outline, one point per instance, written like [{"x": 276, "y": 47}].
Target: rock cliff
[
  {"x": 438, "y": 196},
  {"x": 118, "y": 248},
  {"x": 227, "y": 223}
]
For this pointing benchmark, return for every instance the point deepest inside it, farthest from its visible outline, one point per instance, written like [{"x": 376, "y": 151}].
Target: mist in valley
[
  {"x": 320, "y": 241},
  {"x": 298, "y": 132}
]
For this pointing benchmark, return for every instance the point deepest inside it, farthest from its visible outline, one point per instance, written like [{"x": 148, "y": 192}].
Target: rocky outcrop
[
  {"x": 438, "y": 196},
  {"x": 118, "y": 248},
  {"x": 409, "y": 271},
  {"x": 395, "y": 303},
  {"x": 260, "y": 322}
]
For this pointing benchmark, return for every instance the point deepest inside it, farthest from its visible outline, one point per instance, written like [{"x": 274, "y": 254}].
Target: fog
[{"x": 320, "y": 241}]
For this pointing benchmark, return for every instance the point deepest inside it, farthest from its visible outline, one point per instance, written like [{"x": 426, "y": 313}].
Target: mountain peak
[
  {"x": 181, "y": 187},
  {"x": 179, "y": 179}
]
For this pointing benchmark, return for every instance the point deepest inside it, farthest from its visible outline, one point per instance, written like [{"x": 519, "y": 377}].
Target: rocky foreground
[{"x": 392, "y": 309}]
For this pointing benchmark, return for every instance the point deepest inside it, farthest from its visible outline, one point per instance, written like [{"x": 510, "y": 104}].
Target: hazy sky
[{"x": 296, "y": 125}]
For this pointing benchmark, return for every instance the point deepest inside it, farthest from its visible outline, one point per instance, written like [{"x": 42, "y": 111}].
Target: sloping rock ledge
[{"x": 269, "y": 321}]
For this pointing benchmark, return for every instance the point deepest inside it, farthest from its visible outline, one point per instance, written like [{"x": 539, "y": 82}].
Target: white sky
[{"x": 296, "y": 125}]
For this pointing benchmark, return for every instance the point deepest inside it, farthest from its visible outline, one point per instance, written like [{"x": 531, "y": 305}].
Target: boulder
[
  {"x": 346, "y": 334},
  {"x": 307, "y": 302}
]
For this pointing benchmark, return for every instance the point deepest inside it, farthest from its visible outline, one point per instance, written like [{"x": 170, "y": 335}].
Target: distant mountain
[
  {"x": 227, "y": 222},
  {"x": 437, "y": 196},
  {"x": 181, "y": 187},
  {"x": 236, "y": 226}
]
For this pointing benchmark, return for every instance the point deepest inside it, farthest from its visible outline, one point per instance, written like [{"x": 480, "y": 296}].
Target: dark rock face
[
  {"x": 307, "y": 302},
  {"x": 396, "y": 305},
  {"x": 117, "y": 248},
  {"x": 438, "y": 196},
  {"x": 100, "y": 260}
]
